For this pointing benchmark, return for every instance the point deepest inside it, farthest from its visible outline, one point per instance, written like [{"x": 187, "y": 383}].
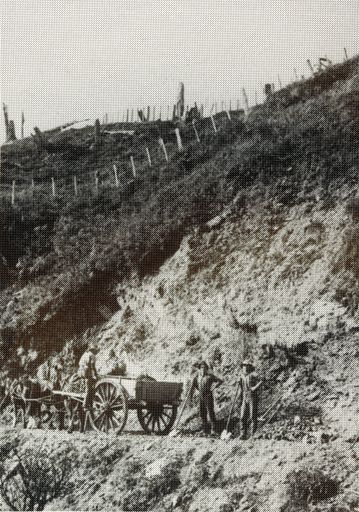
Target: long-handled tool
[
  {"x": 175, "y": 432},
  {"x": 225, "y": 435},
  {"x": 270, "y": 408}
]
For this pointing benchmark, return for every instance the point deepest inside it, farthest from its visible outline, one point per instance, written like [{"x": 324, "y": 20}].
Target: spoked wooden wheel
[
  {"x": 110, "y": 408},
  {"x": 157, "y": 418}
]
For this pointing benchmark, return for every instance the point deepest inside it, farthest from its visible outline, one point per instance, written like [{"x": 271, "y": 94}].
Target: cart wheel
[
  {"x": 157, "y": 418},
  {"x": 110, "y": 408}
]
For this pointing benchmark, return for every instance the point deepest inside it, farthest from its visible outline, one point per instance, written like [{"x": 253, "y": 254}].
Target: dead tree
[
  {"x": 97, "y": 131},
  {"x": 22, "y": 124},
  {"x": 268, "y": 90},
  {"x": 6, "y": 117},
  {"x": 180, "y": 101},
  {"x": 9, "y": 126},
  {"x": 11, "y": 132}
]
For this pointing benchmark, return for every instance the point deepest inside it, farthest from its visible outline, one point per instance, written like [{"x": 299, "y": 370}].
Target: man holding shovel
[
  {"x": 248, "y": 390},
  {"x": 204, "y": 382}
]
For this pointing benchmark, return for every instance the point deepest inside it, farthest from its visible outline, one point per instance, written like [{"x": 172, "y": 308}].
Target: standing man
[
  {"x": 248, "y": 390},
  {"x": 87, "y": 371},
  {"x": 203, "y": 382}
]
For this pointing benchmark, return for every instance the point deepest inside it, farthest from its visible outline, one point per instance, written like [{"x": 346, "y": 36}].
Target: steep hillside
[
  {"x": 63, "y": 256},
  {"x": 246, "y": 244}
]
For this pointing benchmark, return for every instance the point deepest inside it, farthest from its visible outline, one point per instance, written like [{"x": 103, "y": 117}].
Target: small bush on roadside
[
  {"x": 309, "y": 486},
  {"x": 34, "y": 477}
]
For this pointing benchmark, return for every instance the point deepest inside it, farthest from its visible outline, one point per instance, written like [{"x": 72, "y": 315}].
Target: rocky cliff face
[{"x": 265, "y": 276}]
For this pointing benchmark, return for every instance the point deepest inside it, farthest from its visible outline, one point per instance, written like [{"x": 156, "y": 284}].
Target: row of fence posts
[
  {"x": 132, "y": 161},
  {"x": 132, "y": 115}
]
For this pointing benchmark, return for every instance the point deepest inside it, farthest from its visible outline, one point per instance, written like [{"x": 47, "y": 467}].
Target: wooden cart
[{"x": 156, "y": 403}]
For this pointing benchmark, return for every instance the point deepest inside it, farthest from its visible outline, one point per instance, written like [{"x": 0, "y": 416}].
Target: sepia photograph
[{"x": 179, "y": 256}]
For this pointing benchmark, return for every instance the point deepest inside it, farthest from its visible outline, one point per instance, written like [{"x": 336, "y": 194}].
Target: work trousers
[
  {"x": 90, "y": 385},
  {"x": 249, "y": 415},
  {"x": 206, "y": 408}
]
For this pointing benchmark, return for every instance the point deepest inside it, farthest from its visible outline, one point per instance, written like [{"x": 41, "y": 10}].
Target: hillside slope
[
  {"x": 63, "y": 256},
  {"x": 245, "y": 245}
]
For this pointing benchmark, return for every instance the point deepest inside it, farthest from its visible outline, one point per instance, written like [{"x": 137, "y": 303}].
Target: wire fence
[
  {"x": 123, "y": 170},
  {"x": 165, "y": 112}
]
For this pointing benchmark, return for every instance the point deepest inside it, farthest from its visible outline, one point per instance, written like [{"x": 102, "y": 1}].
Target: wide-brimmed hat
[
  {"x": 247, "y": 362},
  {"x": 203, "y": 363}
]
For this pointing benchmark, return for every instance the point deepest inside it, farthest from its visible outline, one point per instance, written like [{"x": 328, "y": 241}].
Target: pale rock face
[{"x": 270, "y": 288}]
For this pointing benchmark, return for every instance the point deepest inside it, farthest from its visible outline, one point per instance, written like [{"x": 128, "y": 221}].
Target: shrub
[
  {"x": 34, "y": 477},
  {"x": 310, "y": 486}
]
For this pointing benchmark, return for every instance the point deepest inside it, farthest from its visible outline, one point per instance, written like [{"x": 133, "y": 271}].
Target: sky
[{"x": 65, "y": 60}]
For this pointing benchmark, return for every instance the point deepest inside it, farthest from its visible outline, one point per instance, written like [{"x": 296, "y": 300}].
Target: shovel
[
  {"x": 175, "y": 432},
  {"x": 225, "y": 434}
]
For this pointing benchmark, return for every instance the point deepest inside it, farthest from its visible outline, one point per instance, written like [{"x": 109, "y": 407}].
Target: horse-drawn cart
[{"x": 156, "y": 403}]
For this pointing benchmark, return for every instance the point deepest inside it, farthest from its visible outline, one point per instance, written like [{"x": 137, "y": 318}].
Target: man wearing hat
[
  {"x": 248, "y": 390},
  {"x": 204, "y": 383},
  {"x": 87, "y": 371}
]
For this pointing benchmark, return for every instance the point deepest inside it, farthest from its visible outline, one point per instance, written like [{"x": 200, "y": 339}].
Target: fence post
[
  {"x": 179, "y": 140},
  {"x": 310, "y": 66},
  {"x": 255, "y": 97},
  {"x": 195, "y": 131},
  {"x": 280, "y": 82},
  {"x": 214, "y": 125},
  {"x": 13, "y": 193},
  {"x": 53, "y": 187},
  {"x": 162, "y": 144},
  {"x": 168, "y": 112},
  {"x": 133, "y": 166},
  {"x": 346, "y": 54},
  {"x": 154, "y": 114},
  {"x": 148, "y": 157},
  {"x": 245, "y": 102},
  {"x": 295, "y": 74},
  {"x": 148, "y": 113},
  {"x": 237, "y": 105},
  {"x": 229, "y": 115},
  {"x": 22, "y": 124},
  {"x": 230, "y": 105},
  {"x": 127, "y": 116},
  {"x": 75, "y": 185},
  {"x": 116, "y": 176}
]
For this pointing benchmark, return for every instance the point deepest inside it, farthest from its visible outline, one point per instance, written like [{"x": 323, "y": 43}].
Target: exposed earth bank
[{"x": 136, "y": 472}]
